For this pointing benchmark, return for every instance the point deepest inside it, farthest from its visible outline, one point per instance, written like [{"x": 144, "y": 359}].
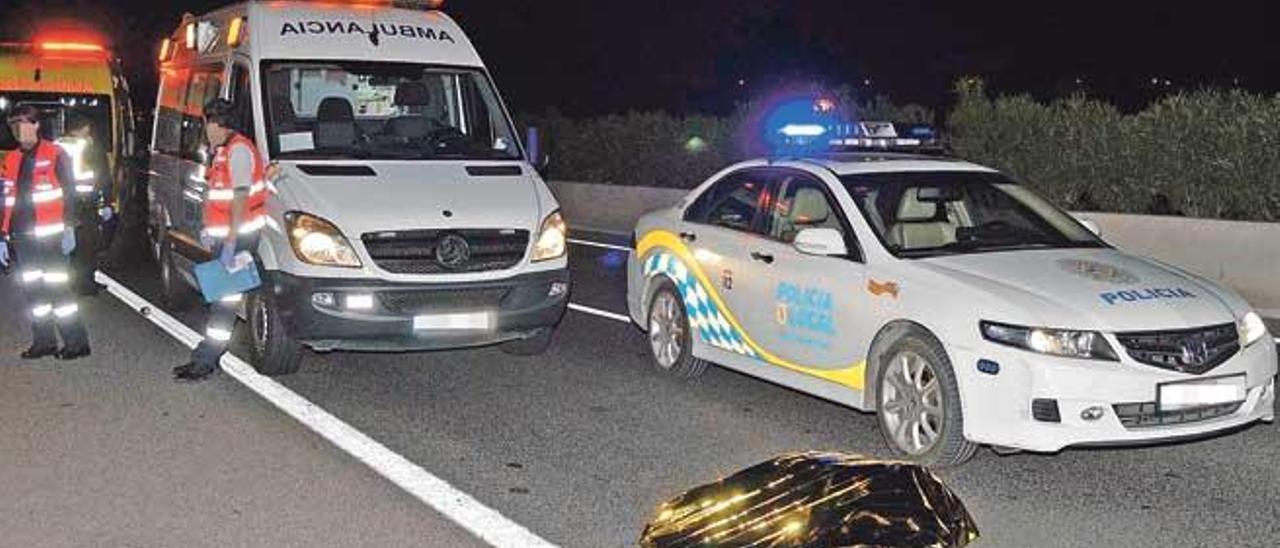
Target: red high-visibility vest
[
  {"x": 46, "y": 189},
  {"x": 218, "y": 202}
]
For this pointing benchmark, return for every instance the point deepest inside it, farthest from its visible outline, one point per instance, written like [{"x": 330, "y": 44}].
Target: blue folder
[{"x": 217, "y": 282}]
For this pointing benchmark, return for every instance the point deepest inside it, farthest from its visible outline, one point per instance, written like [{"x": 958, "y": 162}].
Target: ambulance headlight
[
  {"x": 1054, "y": 342},
  {"x": 1251, "y": 329},
  {"x": 552, "y": 239},
  {"x": 316, "y": 241}
]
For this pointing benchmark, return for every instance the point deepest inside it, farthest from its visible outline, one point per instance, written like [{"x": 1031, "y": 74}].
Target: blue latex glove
[
  {"x": 228, "y": 255},
  {"x": 4, "y": 254},
  {"x": 68, "y": 241}
]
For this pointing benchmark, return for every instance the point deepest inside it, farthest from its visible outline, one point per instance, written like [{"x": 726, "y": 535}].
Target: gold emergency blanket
[{"x": 816, "y": 499}]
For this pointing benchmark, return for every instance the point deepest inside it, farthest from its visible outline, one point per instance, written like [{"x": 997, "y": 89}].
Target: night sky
[{"x": 588, "y": 57}]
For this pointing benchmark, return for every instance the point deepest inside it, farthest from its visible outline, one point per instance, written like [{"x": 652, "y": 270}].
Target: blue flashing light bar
[{"x": 803, "y": 130}]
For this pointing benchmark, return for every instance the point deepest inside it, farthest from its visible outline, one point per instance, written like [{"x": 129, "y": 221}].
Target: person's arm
[
  {"x": 4, "y": 205},
  {"x": 67, "y": 178},
  {"x": 241, "y": 159},
  {"x": 103, "y": 178}
]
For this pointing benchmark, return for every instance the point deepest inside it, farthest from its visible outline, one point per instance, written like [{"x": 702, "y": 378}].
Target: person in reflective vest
[
  {"x": 38, "y": 220},
  {"x": 93, "y": 190},
  {"x": 234, "y": 214}
]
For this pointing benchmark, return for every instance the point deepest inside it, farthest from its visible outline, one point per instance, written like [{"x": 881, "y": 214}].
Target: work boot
[
  {"x": 68, "y": 354},
  {"x": 35, "y": 352},
  {"x": 191, "y": 373}
]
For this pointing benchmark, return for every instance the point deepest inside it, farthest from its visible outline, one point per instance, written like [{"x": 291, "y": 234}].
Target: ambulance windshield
[{"x": 383, "y": 111}]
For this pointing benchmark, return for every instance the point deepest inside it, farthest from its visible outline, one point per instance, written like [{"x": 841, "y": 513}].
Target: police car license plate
[
  {"x": 1175, "y": 396},
  {"x": 452, "y": 322}
]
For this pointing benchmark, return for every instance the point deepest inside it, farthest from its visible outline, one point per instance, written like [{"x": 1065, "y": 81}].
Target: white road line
[
  {"x": 590, "y": 243},
  {"x": 459, "y": 507},
  {"x": 602, "y": 313}
]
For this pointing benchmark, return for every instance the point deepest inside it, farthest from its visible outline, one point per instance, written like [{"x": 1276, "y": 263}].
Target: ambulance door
[
  {"x": 195, "y": 153},
  {"x": 164, "y": 187},
  {"x": 814, "y": 305}
]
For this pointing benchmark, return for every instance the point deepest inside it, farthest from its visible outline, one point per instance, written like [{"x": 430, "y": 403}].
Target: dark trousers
[
  {"x": 84, "y": 260},
  {"x": 46, "y": 278},
  {"x": 221, "y": 322}
]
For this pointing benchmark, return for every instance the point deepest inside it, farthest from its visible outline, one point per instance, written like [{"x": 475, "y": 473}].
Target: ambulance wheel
[
  {"x": 919, "y": 402},
  {"x": 670, "y": 339},
  {"x": 271, "y": 350},
  {"x": 174, "y": 293},
  {"x": 535, "y": 345}
]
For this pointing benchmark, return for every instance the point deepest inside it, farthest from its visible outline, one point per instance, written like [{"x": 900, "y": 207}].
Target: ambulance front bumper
[
  {"x": 1045, "y": 404},
  {"x": 377, "y": 316}
]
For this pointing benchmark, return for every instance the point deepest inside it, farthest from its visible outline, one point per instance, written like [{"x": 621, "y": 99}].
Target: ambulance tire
[
  {"x": 271, "y": 351},
  {"x": 921, "y": 349},
  {"x": 667, "y": 324},
  {"x": 175, "y": 294},
  {"x": 535, "y": 345}
]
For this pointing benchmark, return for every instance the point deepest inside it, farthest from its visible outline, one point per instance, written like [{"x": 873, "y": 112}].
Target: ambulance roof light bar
[
  {"x": 82, "y": 47},
  {"x": 425, "y": 5}
]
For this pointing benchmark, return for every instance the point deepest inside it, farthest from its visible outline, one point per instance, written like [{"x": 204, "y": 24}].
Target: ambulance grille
[
  {"x": 414, "y": 251},
  {"x": 1192, "y": 351},
  {"x": 1144, "y": 415},
  {"x": 438, "y": 300}
]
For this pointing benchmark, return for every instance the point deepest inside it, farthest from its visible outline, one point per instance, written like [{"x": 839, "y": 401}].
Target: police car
[{"x": 954, "y": 302}]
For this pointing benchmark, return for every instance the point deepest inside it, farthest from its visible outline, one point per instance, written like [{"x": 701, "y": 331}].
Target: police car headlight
[
  {"x": 1054, "y": 342},
  {"x": 1251, "y": 329},
  {"x": 316, "y": 241},
  {"x": 552, "y": 239}
]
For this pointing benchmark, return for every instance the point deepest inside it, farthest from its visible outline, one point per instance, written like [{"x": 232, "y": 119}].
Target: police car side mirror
[{"x": 826, "y": 242}]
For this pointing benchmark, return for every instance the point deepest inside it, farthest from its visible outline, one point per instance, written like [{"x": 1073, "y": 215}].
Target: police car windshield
[
  {"x": 383, "y": 111},
  {"x": 926, "y": 214}
]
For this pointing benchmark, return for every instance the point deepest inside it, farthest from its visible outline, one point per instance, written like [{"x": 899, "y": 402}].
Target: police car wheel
[
  {"x": 174, "y": 293},
  {"x": 272, "y": 352},
  {"x": 919, "y": 403},
  {"x": 670, "y": 339}
]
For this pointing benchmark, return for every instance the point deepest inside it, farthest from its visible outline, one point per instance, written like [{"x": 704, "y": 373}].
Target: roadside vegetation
[{"x": 1210, "y": 153}]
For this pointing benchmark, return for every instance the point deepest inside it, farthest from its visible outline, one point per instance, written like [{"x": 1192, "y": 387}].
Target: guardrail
[{"x": 1242, "y": 255}]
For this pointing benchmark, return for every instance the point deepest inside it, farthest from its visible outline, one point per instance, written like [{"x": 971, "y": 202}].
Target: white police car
[{"x": 955, "y": 302}]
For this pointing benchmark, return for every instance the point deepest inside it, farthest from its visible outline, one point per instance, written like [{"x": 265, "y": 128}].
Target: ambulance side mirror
[
  {"x": 540, "y": 159},
  {"x": 825, "y": 242}
]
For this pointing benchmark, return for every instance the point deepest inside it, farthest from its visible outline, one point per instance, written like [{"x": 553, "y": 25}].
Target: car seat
[
  {"x": 336, "y": 124},
  {"x": 413, "y": 98},
  {"x": 809, "y": 209},
  {"x": 921, "y": 225}
]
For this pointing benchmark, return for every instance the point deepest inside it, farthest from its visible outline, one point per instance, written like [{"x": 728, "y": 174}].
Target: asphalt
[{"x": 578, "y": 445}]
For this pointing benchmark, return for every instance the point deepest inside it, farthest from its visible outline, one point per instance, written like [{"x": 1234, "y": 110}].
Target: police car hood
[
  {"x": 1100, "y": 289},
  {"x": 411, "y": 195}
]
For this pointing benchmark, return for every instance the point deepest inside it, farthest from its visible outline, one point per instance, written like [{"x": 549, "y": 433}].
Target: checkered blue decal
[{"x": 704, "y": 316}]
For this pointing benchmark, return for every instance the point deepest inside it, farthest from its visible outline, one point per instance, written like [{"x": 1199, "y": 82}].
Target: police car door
[
  {"x": 718, "y": 228},
  {"x": 812, "y": 314}
]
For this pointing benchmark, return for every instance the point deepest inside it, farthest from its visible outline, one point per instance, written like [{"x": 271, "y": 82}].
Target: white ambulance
[{"x": 404, "y": 213}]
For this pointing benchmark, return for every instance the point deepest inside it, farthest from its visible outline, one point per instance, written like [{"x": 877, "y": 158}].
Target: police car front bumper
[
  {"x": 390, "y": 316},
  {"x": 1045, "y": 404}
]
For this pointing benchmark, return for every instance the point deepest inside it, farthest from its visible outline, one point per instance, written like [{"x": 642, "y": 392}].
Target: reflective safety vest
[
  {"x": 221, "y": 195},
  {"x": 77, "y": 149},
  {"x": 46, "y": 190}
]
